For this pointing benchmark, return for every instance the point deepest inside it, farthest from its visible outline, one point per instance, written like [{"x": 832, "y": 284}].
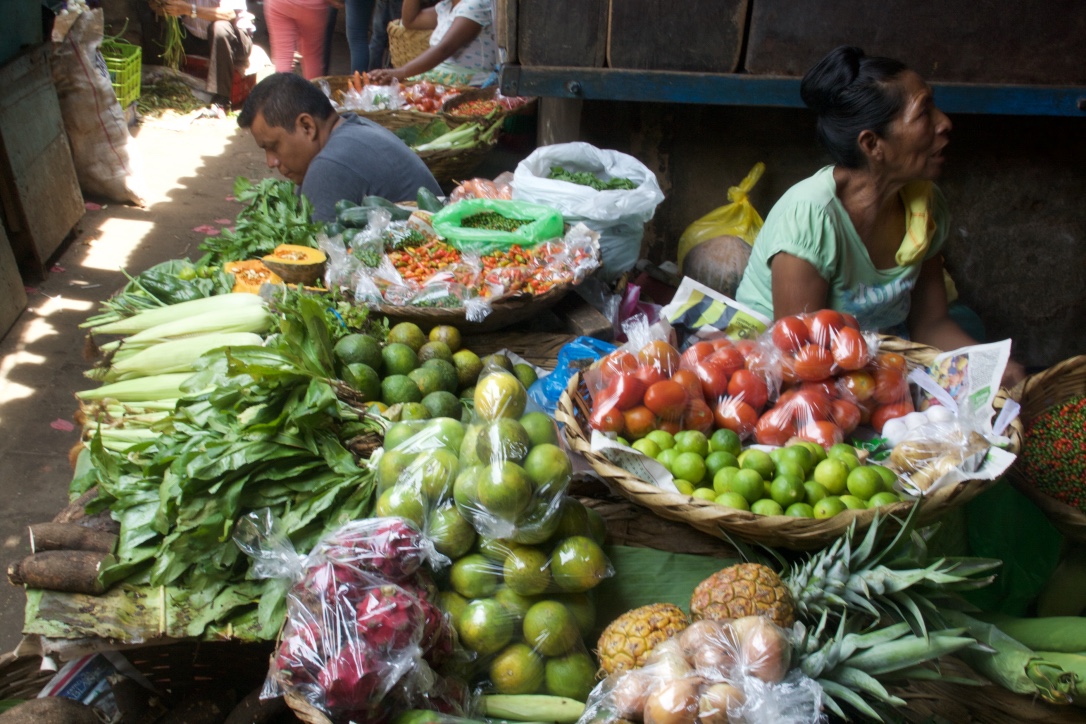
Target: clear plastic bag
[
  {"x": 362, "y": 618},
  {"x": 934, "y": 448},
  {"x": 376, "y": 98},
  {"x": 481, "y": 188},
  {"x": 712, "y": 672}
]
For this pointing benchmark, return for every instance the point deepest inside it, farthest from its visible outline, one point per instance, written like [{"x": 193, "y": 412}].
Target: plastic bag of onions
[{"x": 713, "y": 672}]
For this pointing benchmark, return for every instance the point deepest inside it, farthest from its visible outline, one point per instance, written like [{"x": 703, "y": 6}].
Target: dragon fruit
[
  {"x": 392, "y": 548},
  {"x": 353, "y": 679},
  {"x": 389, "y": 618}
]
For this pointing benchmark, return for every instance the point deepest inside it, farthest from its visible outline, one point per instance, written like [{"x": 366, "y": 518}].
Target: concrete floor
[{"x": 189, "y": 167}]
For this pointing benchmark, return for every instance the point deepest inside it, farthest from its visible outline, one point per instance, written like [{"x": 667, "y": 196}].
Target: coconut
[{"x": 718, "y": 263}]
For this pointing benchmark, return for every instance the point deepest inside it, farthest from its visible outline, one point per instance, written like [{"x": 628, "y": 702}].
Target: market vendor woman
[{"x": 865, "y": 235}]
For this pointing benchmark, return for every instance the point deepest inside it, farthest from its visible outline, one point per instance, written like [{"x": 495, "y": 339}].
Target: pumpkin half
[
  {"x": 249, "y": 275},
  {"x": 296, "y": 264}
]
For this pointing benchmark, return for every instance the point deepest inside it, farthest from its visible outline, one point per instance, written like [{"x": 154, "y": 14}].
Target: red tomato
[
  {"x": 889, "y": 412},
  {"x": 825, "y": 434},
  {"x": 671, "y": 426},
  {"x": 790, "y": 333},
  {"x": 890, "y": 359},
  {"x": 866, "y": 408},
  {"x": 811, "y": 404},
  {"x": 746, "y": 346},
  {"x": 850, "y": 321},
  {"x": 698, "y": 416},
  {"x": 667, "y": 399},
  {"x": 607, "y": 419},
  {"x": 617, "y": 361},
  {"x": 650, "y": 375},
  {"x": 721, "y": 343},
  {"x": 846, "y": 415},
  {"x": 748, "y": 387},
  {"x": 713, "y": 376},
  {"x": 736, "y": 415},
  {"x": 813, "y": 363},
  {"x": 825, "y": 387},
  {"x": 694, "y": 354},
  {"x": 788, "y": 370},
  {"x": 639, "y": 421},
  {"x": 659, "y": 354},
  {"x": 824, "y": 325},
  {"x": 850, "y": 349},
  {"x": 730, "y": 359},
  {"x": 775, "y": 427},
  {"x": 890, "y": 385},
  {"x": 858, "y": 385},
  {"x": 690, "y": 382},
  {"x": 623, "y": 391}
]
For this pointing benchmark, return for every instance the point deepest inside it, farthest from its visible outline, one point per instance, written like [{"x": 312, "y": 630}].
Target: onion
[
  {"x": 695, "y": 636},
  {"x": 667, "y": 660},
  {"x": 630, "y": 692},
  {"x": 718, "y": 702},
  {"x": 763, "y": 648},
  {"x": 673, "y": 702}
]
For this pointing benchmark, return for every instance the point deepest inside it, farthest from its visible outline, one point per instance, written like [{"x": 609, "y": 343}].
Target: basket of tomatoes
[
  {"x": 415, "y": 104},
  {"x": 747, "y": 437}
]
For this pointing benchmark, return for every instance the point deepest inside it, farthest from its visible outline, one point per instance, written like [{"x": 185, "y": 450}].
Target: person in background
[
  {"x": 463, "y": 49},
  {"x": 297, "y": 25},
  {"x": 223, "y": 31},
  {"x": 329, "y": 157},
  {"x": 384, "y": 12},
  {"x": 865, "y": 235}
]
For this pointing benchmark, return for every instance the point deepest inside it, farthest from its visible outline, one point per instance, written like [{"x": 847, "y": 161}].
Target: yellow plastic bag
[{"x": 738, "y": 218}]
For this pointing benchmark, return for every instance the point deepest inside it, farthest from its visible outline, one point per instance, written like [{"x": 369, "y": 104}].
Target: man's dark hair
[
  {"x": 852, "y": 92},
  {"x": 281, "y": 98}
]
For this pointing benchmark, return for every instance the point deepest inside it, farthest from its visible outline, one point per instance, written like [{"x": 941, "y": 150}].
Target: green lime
[
  {"x": 450, "y": 532},
  {"x": 449, "y": 381},
  {"x": 504, "y": 490},
  {"x": 525, "y": 373},
  {"x": 399, "y": 433},
  {"x": 852, "y": 502},
  {"x": 448, "y": 335},
  {"x": 646, "y": 447},
  {"x": 474, "y": 576},
  {"x": 722, "y": 481},
  {"x": 582, "y": 607},
  {"x": 469, "y": 446},
  {"x": 485, "y": 626},
  {"x": 390, "y": 466},
  {"x": 435, "y": 350},
  {"x": 704, "y": 493},
  {"x": 402, "y": 501},
  {"x": 573, "y": 518},
  {"x": 466, "y": 489},
  {"x": 358, "y": 348},
  {"x": 766, "y": 506},
  {"x": 549, "y": 468},
  {"x": 725, "y": 440},
  {"x": 663, "y": 438},
  {"x": 829, "y": 507},
  {"x": 799, "y": 510},
  {"x": 428, "y": 380},
  {"x": 799, "y": 455},
  {"x": 749, "y": 484},
  {"x": 497, "y": 361},
  {"x": 787, "y": 492},
  {"x": 685, "y": 487},
  {"x": 851, "y": 461},
  {"x": 526, "y": 571},
  {"x": 500, "y": 394},
  {"x": 688, "y": 466},
  {"x": 413, "y": 411},
  {"x": 468, "y": 366},
  {"x": 880, "y": 499},
  {"x": 578, "y": 564},
  {"x": 397, "y": 389},
  {"x": 452, "y": 603},
  {"x": 833, "y": 475},
  {"x": 550, "y": 628},
  {"x": 503, "y": 439},
  {"x": 407, "y": 333},
  {"x": 733, "y": 500},
  {"x": 572, "y": 675},
  {"x": 815, "y": 492},
  {"x": 889, "y": 477},
  {"x": 754, "y": 459},
  {"x": 839, "y": 449},
  {"x": 364, "y": 379},
  {"x": 818, "y": 453},
  {"x": 434, "y": 472},
  {"x": 399, "y": 359},
  {"x": 715, "y": 461},
  {"x": 791, "y": 469},
  {"x": 517, "y": 669},
  {"x": 442, "y": 404},
  {"x": 864, "y": 482},
  {"x": 494, "y": 549},
  {"x": 448, "y": 432},
  {"x": 667, "y": 458},
  {"x": 541, "y": 428},
  {"x": 516, "y": 604},
  {"x": 693, "y": 441}
]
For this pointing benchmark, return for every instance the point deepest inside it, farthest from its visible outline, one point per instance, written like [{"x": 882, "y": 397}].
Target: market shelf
[{"x": 740, "y": 89}]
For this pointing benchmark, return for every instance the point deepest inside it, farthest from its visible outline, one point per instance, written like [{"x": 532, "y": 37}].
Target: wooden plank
[
  {"x": 696, "y": 35},
  {"x": 39, "y": 187},
  {"x": 505, "y": 29},
  {"x": 12, "y": 291},
  {"x": 559, "y": 121},
  {"x": 566, "y": 32}
]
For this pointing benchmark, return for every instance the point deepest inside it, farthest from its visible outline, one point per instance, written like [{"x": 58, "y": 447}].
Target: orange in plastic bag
[{"x": 724, "y": 266}]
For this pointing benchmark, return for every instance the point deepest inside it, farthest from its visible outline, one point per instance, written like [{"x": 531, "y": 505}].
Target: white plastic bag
[{"x": 618, "y": 215}]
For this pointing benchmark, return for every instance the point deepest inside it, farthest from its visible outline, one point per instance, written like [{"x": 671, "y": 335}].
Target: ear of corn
[
  {"x": 220, "y": 303},
  {"x": 156, "y": 387},
  {"x": 172, "y": 356},
  {"x": 248, "y": 318}
]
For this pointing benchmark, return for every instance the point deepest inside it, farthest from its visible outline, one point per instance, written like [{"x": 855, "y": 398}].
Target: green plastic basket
[{"x": 123, "y": 61}]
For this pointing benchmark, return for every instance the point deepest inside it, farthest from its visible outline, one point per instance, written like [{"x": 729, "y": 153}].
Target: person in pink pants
[{"x": 297, "y": 25}]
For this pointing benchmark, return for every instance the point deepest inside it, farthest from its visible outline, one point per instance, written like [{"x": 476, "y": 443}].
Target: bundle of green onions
[{"x": 466, "y": 136}]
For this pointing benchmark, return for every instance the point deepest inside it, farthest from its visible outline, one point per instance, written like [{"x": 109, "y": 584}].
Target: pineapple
[
  {"x": 897, "y": 579},
  {"x": 745, "y": 589},
  {"x": 627, "y": 641}
]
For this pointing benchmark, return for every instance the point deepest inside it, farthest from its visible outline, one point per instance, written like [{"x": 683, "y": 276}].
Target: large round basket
[
  {"x": 405, "y": 45},
  {"x": 776, "y": 531},
  {"x": 449, "y": 107},
  {"x": 1035, "y": 394},
  {"x": 503, "y": 313},
  {"x": 390, "y": 119},
  {"x": 454, "y": 164}
]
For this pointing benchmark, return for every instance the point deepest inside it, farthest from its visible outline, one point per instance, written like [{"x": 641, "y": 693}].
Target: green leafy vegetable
[{"x": 584, "y": 178}]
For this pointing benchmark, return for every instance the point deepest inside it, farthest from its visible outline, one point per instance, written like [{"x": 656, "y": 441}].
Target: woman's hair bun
[{"x": 823, "y": 84}]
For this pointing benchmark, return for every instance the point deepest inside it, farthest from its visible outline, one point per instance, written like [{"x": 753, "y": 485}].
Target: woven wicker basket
[
  {"x": 390, "y": 119},
  {"x": 456, "y": 164},
  {"x": 774, "y": 531},
  {"x": 1036, "y": 394},
  {"x": 405, "y": 45},
  {"x": 503, "y": 313},
  {"x": 448, "y": 108}
]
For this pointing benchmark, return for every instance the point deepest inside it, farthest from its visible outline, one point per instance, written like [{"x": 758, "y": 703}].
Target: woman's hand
[
  {"x": 177, "y": 8},
  {"x": 384, "y": 76}
]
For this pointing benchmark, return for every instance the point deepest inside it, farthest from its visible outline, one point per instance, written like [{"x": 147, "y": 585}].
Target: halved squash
[
  {"x": 296, "y": 264},
  {"x": 249, "y": 275}
]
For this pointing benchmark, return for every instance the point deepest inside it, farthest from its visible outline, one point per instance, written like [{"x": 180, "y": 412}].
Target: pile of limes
[{"x": 802, "y": 480}]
